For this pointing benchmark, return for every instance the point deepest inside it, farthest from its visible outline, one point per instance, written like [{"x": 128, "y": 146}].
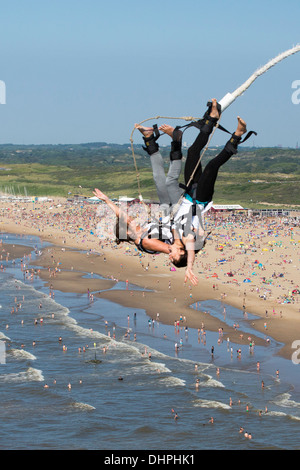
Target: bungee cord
[{"x": 225, "y": 102}]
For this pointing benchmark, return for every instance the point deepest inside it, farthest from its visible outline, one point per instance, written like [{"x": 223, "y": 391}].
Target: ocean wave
[
  {"x": 284, "y": 415},
  {"x": 159, "y": 367},
  {"x": 187, "y": 362},
  {"x": 34, "y": 375},
  {"x": 210, "y": 382},
  {"x": 79, "y": 406},
  {"x": 30, "y": 375},
  {"x": 276, "y": 413},
  {"x": 81, "y": 331},
  {"x": 211, "y": 404},
  {"x": 296, "y": 418},
  {"x": 2, "y": 336},
  {"x": 172, "y": 381},
  {"x": 32, "y": 297},
  {"x": 144, "y": 350},
  {"x": 21, "y": 354},
  {"x": 149, "y": 367},
  {"x": 284, "y": 401},
  {"x": 128, "y": 346}
]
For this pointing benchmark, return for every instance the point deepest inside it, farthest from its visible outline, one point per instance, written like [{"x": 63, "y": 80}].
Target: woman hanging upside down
[{"x": 182, "y": 235}]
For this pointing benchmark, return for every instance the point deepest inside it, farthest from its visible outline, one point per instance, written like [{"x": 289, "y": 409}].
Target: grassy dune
[
  {"x": 251, "y": 178},
  {"x": 45, "y": 180}
]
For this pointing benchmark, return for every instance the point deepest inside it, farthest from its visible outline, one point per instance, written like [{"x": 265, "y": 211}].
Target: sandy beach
[{"x": 251, "y": 264}]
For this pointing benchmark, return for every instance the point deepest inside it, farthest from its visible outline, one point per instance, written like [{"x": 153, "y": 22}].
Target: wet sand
[{"x": 10, "y": 252}]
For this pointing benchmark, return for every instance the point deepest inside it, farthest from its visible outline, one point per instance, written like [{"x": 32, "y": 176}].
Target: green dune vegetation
[{"x": 254, "y": 178}]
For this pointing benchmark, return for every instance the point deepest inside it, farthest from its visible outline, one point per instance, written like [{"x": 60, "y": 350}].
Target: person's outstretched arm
[
  {"x": 190, "y": 247},
  {"x": 151, "y": 244},
  {"x": 120, "y": 214},
  {"x": 103, "y": 197}
]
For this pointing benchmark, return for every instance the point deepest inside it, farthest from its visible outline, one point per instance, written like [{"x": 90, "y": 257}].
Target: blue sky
[{"x": 87, "y": 70}]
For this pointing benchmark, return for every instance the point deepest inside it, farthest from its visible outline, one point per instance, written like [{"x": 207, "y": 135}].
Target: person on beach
[{"x": 183, "y": 235}]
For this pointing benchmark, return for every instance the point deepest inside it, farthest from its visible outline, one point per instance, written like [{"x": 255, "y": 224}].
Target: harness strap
[
  {"x": 247, "y": 136},
  {"x": 150, "y": 142},
  {"x": 201, "y": 122},
  {"x": 156, "y": 131},
  {"x": 194, "y": 191}
]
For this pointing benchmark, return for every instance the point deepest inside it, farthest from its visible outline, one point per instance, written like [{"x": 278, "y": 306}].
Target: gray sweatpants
[{"x": 167, "y": 186}]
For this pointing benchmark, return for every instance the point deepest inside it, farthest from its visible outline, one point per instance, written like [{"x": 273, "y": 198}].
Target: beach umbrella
[{"x": 247, "y": 280}]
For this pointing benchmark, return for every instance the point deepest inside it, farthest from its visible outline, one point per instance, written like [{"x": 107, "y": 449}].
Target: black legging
[{"x": 205, "y": 179}]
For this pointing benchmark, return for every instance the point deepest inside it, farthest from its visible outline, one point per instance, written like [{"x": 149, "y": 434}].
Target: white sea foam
[
  {"x": 285, "y": 401},
  {"x": 2, "y": 336},
  {"x": 21, "y": 354},
  {"x": 283, "y": 415},
  {"x": 80, "y": 331},
  {"x": 149, "y": 367},
  {"x": 82, "y": 406},
  {"x": 296, "y": 418},
  {"x": 32, "y": 296},
  {"x": 172, "y": 381},
  {"x": 211, "y": 383},
  {"x": 34, "y": 375},
  {"x": 211, "y": 404},
  {"x": 159, "y": 367},
  {"x": 276, "y": 413},
  {"x": 184, "y": 362},
  {"x": 30, "y": 375}
]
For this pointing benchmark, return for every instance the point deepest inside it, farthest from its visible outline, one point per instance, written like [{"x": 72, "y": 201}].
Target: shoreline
[{"x": 68, "y": 259}]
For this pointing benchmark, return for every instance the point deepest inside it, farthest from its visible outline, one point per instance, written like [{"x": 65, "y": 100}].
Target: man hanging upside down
[{"x": 180, "y": 234}]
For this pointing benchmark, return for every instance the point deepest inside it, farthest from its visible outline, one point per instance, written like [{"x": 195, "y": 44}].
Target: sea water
[{"x": 115, "y": 379}]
